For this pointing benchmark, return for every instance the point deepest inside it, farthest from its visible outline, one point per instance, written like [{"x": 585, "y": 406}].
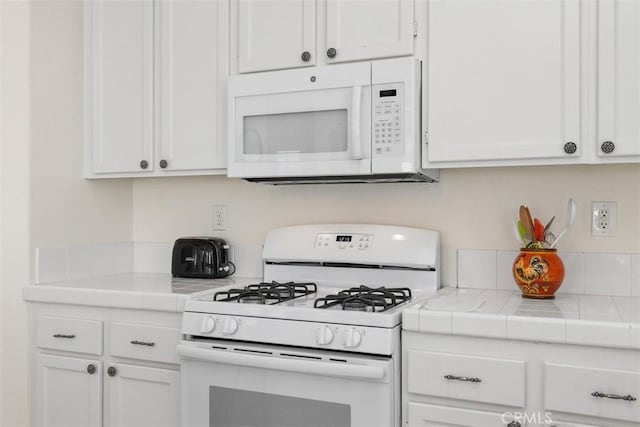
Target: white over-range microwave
[{"x": 340, "y": 123}]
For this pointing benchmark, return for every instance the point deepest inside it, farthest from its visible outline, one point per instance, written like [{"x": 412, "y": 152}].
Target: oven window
[
  {"x": 306, "y": 132},
  {"x": 230, "y": 407}
]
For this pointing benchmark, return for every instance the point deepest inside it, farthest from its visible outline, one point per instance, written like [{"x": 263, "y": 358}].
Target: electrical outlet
[
  {"x": 220, "y": 216},
  {"x": 604, "y": 218}
]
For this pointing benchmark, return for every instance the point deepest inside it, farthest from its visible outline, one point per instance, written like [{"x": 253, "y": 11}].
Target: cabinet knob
[
  {"x": 331, "y": 52},
  {"x": 306, "y": 56},
  {"x": 91, "y": 368},
  {"x": 111, "y": 371},
  {"x": 163, "y": 164},
  {"x": 144, "y": 164},
  {"x": 570, "y": 147},
  {"x": 608, "y": 147},
  {"x": 514, "y": 424}
]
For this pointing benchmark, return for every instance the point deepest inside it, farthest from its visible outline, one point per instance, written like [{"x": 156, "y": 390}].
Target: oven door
[
  {"x": 226, "y": 384},
  {"x": 300, "y": 123}
]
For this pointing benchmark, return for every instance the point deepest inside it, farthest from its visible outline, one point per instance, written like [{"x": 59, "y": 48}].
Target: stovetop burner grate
[
  {"x": 267, "y": 293},
  {"x": 364, "y": 298}
]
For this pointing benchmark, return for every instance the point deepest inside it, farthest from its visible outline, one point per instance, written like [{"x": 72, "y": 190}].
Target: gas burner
[
  {"x": 365, "y": 298},
  {"x": 266, "y": 293}
]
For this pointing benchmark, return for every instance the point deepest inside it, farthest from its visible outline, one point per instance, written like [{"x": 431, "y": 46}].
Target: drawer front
[
  {"x": 77, "y": 335},
  {"x": 144, "y": 342},
  {"x": 473, "y": 378},
  {"x": 572, "y": 388},
  {"x": 423, "y": 415}
]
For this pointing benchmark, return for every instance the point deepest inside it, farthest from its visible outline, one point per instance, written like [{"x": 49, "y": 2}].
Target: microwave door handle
[
  {"x": 356, "y": 141},
  {"x": 334, "y": 369}
]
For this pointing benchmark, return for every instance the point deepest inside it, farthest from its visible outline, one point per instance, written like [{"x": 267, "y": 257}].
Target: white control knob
[
  {"x": 352, "y": 338},
  {"x": 208, "y": 325},
  {"x": 230, "y": 326},
  {"x": 324, "y": 335}
]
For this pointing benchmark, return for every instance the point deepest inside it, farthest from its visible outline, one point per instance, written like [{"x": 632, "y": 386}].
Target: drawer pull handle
[
  {"x": 63, "y": 336},
  {"x": 468, "y": 379},
  {"x": 628, "y": 397},
  {"x": 148, "y": 344}
]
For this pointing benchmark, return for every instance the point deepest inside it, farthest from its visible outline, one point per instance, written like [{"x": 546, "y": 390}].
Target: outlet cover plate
[
  {"x": 604, "y": 218},
  {"x": 220, "y": 217}
]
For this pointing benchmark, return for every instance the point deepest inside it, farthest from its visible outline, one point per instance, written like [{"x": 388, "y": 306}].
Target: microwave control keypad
[
  {"x": 352, "y": 242},
  {"x": 387, "y": 123}
]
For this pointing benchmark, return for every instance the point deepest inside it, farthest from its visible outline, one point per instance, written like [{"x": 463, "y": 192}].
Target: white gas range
[{"x": 318, "y": 342}]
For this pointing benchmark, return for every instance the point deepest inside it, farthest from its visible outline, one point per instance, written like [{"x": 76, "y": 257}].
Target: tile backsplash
[
  {"x": 614, "y": 274},
  {"x": 81, "y": 262}
]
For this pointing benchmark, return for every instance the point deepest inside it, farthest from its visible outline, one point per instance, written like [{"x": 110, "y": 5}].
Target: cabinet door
[
  {"x": 275, "y": 34},
  {"x": 565, "y": 424},
  {"x": 423, "y": 415},
  {"x": 68, "y": 392},
  {"x": 359, "y": 29},
  {"x": 619, "y": 78},
  {"x": 191, "y": 73},
  {"x": 119, "y": 85},
  {"x": 137, "y": 396},
  {"x": 503, "y": 79}
]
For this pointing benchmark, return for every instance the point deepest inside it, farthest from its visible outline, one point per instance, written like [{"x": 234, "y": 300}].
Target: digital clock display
[
  {"x": 343, "y": 238},
  {"x": 388, "y": 92}
]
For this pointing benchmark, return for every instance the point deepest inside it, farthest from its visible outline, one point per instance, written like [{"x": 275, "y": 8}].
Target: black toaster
[{"x": 201, "y": 258}]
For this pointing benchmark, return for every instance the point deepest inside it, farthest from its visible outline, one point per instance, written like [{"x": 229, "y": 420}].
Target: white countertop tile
[
  {"x": 599, "y": 320},
  {"x": 146, "y": 291}
]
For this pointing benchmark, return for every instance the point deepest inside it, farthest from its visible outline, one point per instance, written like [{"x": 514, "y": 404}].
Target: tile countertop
[
  {"x": 595, "y": 320},
  {"x": 142, "y": 291}
]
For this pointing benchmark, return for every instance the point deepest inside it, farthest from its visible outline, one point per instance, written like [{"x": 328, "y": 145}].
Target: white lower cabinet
[
  {"x": 137, "y": 396},
  {"x": 68, "y": 391},
  {"x": 605, "y": 393},
  {"x": 462, "y": 381},
  {"x": 563, "y": 424},
  {"x": 442, "y": 416},
  {"x": 100, "y": 366}
]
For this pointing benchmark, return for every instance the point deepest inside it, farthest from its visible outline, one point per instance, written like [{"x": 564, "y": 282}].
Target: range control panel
[
  {"x": 354, "y": 242},
  {"x": 387, "y": 120}
]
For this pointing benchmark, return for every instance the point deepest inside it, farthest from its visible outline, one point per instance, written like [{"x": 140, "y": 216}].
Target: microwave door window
[{"x": 296, "y": 134}]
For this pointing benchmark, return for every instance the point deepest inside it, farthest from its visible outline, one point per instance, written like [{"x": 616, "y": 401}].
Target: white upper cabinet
[
  {"x": 618, "y": 78},
  {"x": 357, "y": 29},
  {"x": 119, "y": 86},
  {"x": 503, "y": 80},
  {"x": 191, "y": 73},
  {"x": 278, "y": 34},
  {"x": 155, "y": 87},
  {"x": 275, "y": 34}
]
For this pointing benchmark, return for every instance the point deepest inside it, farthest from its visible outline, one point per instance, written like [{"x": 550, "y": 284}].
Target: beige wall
[
  {"x": 472, "y": 208},
  {"x": 66, "y": 209},
  {"x": 14, "y": 210},
  {"x": 44, "y": 201}
]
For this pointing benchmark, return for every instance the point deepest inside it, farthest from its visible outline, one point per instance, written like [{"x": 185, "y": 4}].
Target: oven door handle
[
  {"x": 334, "y": 369},
  {"x": 356, "y": 140}
]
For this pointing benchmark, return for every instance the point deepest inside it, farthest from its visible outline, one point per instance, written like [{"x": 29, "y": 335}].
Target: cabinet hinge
[
  {"x": 415, "y": 29},
  {"x": 426, "y": 137}
]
